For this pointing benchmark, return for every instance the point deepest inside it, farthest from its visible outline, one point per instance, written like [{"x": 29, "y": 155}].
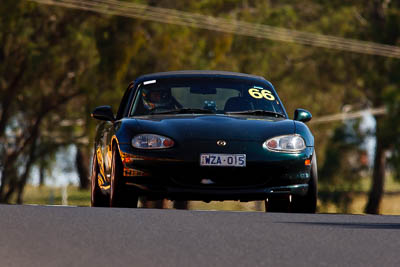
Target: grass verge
[{"x": 54, "y": 196}]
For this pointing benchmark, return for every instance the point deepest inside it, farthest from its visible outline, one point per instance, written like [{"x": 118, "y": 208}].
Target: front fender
[
  {"x": 304, "y": 131},
  {"x": 125, "y": 130}
]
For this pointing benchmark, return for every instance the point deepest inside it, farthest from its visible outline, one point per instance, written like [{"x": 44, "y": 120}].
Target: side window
[{"x": 135, "y": 103}]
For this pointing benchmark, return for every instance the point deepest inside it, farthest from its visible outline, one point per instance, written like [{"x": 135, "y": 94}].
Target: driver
[{"x": 157, "y": 99}]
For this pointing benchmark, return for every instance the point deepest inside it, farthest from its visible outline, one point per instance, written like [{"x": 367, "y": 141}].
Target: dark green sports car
[{"x": 204, "y": 135}]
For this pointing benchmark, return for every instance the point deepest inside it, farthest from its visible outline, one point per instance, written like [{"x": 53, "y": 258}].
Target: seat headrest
[{"x": 237, "y": 104}]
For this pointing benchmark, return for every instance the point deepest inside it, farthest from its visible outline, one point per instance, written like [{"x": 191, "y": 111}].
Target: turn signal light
[
  {"x": 128, "y": 160},
  {"x": 307, "y": 162}
]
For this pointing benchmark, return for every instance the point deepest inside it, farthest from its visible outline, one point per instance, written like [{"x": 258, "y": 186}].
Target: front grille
[
  {"x": 192, "y": 175},
  {"x": 220, "y": 178}
]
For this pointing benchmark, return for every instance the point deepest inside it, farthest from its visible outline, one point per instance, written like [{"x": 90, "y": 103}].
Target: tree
[
  {"x": 380, "y": 77},
  {"x": 343, "y": 166},
  {"x": 37, "y": 80}
]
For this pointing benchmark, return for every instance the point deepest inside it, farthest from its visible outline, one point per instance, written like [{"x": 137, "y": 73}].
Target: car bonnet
[{"x": 211, "y": 127}]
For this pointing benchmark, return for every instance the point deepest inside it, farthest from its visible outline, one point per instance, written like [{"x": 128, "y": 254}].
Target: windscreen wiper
[
  {"x": 257, "y": 112},
  {"x": 184, "y": 111}
]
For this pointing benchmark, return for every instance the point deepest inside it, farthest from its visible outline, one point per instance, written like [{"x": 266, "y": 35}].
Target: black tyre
[
  {"x": 120, "y": 195},
  {"x": 308, "y": 203},
  {"x": 98, "y": 199},
  {"x": 277, "y": 205}
]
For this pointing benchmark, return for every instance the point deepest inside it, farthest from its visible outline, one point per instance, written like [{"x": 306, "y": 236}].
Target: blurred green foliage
[{"x": 345, "y": 166}]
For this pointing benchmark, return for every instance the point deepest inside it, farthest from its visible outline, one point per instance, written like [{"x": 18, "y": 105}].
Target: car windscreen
[{"x": 204, "y": 95}]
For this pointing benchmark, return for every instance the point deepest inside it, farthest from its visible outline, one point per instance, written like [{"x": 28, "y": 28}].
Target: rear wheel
[
  {"x": 98, "y": 199},
  {"x": 120, "y": 195},
  {"x": 308, "y": 203}
]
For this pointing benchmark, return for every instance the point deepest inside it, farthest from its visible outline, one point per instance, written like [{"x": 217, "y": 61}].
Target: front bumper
[
  {"x": 209, "y": 194},
  {"x": 178, "y": 179}
]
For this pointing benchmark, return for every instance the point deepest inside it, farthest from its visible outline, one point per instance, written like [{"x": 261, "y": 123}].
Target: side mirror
[
  {"x": 302, "y": 115},
  {"x": 103, "y": 113}
]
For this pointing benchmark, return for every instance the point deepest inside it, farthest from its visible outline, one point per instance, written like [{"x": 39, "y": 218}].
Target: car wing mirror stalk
[
  {"x": 103, "y": 113},
  {"x": 302, "y": 115}
]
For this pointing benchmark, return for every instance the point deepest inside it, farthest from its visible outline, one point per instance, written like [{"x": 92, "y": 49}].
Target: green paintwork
[
  {"x": 302, "y": 115},
  {"x": 103, "y": 113}
]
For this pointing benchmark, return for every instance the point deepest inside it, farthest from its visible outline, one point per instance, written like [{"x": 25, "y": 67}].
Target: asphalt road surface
[{"x": 78, "y": 236}]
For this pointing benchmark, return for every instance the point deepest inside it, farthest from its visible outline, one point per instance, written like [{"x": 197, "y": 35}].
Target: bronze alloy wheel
[
  {"x": 120, "y": 195},
  {"x": 98, "y": 199}
]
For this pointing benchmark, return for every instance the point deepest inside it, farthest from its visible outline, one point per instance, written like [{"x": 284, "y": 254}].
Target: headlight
[
  {"x": 151, "y": 141},
  {"x": 285, "y": 143}
]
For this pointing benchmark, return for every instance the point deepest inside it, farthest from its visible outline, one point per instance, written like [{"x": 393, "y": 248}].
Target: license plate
[{"x": 230, "y": 160}]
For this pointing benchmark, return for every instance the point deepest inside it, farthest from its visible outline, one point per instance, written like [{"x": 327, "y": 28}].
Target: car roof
[{"x": 197, "y": 73}]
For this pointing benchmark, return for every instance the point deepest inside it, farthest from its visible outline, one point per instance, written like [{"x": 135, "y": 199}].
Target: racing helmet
[{"x": 156, "y": 97}]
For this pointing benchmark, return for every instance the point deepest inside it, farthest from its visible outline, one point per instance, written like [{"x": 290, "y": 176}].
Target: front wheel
[
  {"x": 308, "y": 203},
  {"x": 298, "y": 204},
  {"x": 120, "y": 195},
  {"x": 277, "y": 204},
  {"x": 98, "y": 199}
]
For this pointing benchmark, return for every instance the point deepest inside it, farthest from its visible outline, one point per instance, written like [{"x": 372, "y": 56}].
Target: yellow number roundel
[
  {"x": 256, "y": 93},
  {"x": 267, "y": 95}
]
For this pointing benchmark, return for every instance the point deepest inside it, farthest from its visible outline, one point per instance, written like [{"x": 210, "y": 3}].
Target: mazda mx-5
[{"x": 204, "y": 135}]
